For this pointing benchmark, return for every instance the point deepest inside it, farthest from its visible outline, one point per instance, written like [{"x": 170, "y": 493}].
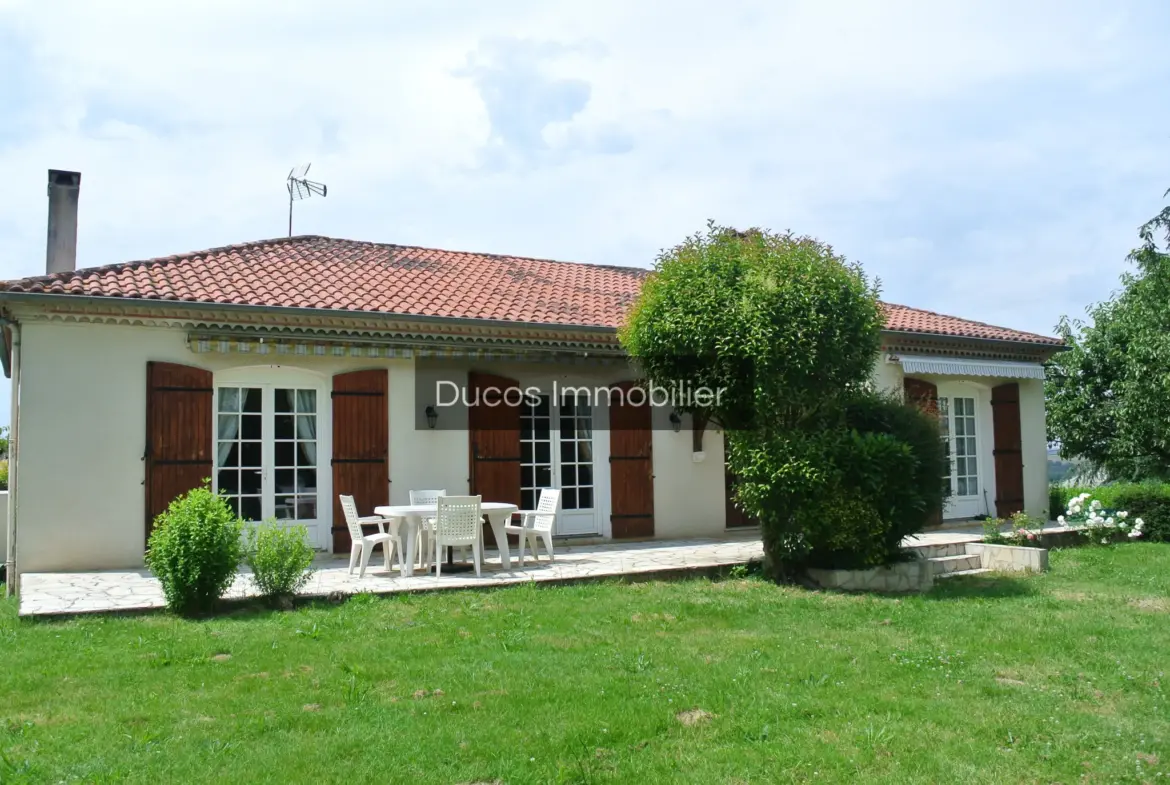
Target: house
[{"x": 291, "y": 370}]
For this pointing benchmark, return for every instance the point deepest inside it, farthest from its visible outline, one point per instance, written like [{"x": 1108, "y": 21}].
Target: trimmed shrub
[
  {"x": 194, "y": 550},
  {"x": 280, "y": 558},
  {"x": 844, "y": 495},
  {"x": 1148, "y": 501}
]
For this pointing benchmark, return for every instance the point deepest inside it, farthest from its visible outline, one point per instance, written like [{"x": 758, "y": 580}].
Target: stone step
[
  {"x": 948, "y": 564},
  {"x": 957, "y": 573},
  {"x": 938, "y": 550}
]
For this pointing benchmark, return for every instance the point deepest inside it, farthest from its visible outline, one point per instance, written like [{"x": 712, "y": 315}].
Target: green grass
[{"x": 1032, "y": 679}]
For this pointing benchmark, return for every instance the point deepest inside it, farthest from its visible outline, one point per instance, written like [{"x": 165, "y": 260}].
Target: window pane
[
  {"x": 525, "y": 428},
  {"x": 251, "y": 396},
  {"x": 306, "y": 401},
  {"x": 250, "y": 454},
  {"x": 307, "y": 453},
  {"x": 285, "y": 454},
  {"x": 527, "y": 499},
  {"x": 229, "y": 482},
  {"x": 543, "y": 452},
  {"x": 306, "y": 480},
  {"x": 250, "y": 481},
  {"x": 229, "y": 399},
  {"x": 584, "y": 498},
  {"x": 960, "y": 446},
  {"x": 285, "y": 507},
  {"x": 584, "y": 475},
  {"x": 228, "y": 454},
  {"x": 568, "y": 451},
  {"x": 568, "y": 427},
  {"x": 569, "y": 475},
  {"x": 527, "y": 476},
  {"x": 962, "y": 487},
  {"x": 542, "y": 407},
  {"x": 568, "y": 405},
  {"x": 284, "y": 426},
  {"x": 306, "y": 508},
  {"x": 250, "y": 508},
  {"x": 284, "y": 400},
  {"x": 250, "y": 426},
  {"x": 960, "y": 426},
  {"x": 525, "y": 452},
  {"x": 585, "y": 452},
  {"x": 285, "y": 480},
  {"x": 229, "y": 427},
  {"x": 541, "y": 428},
  {"x": 569, "y": 498},
  {"x": 543, "y": 477}
]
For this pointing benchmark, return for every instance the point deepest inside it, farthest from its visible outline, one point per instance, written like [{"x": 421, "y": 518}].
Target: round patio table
[{"x": 498, "y": 514}]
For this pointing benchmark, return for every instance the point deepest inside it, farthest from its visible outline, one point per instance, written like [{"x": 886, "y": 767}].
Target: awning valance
[{"x": 952, "y": 366}]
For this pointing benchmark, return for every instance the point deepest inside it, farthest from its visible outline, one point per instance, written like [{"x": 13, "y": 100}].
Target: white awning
[{"x": 952, "y": 366}]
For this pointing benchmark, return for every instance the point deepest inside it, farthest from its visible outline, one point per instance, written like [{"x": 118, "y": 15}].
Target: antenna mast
[{"x": 301, "y": 188}]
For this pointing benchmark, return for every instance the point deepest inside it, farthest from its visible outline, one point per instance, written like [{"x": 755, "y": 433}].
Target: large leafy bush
[
  {"x": 194, "y": 550},
  {"x": 787, "y": 332},
  {"x": 280, "y": 558}
]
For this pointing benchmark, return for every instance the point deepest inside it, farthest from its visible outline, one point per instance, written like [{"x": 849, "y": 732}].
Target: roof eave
[{"x": 74, "y": 299}]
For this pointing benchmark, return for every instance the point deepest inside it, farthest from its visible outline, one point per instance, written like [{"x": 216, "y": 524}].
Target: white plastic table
[{"x": 498, "y": 514}]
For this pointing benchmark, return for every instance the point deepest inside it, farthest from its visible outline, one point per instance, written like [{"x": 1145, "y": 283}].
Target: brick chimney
[{"x": 61, "y": 247}]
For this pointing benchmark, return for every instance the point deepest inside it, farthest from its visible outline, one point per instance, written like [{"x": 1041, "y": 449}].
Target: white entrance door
[
  {"x": 267, "y": 454},
  {"x": 556, "y": 451},
  {"x": 959, "y": 425}
]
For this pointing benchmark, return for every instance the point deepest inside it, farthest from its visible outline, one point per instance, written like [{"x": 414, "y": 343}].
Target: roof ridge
[{"x": 192, "y": 255}]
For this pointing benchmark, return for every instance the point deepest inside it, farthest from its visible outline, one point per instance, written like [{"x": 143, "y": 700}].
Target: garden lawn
[{"x": 1049, "y": 678}]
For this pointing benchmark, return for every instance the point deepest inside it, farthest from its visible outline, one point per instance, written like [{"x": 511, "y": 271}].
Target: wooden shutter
[
  {"x": 494, "y": 441},
  {"x": 631, "y": 467},
  {"x": 924, "y": 395},
  {"x": 361, "y": 446},
  {"x": 178, "y": 434},
  {"x": 1009, "y": 456},
  {"x": 736, "y": 518}
]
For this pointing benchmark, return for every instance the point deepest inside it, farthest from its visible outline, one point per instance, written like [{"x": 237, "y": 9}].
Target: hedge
[{"x": 1148, "y": 501}]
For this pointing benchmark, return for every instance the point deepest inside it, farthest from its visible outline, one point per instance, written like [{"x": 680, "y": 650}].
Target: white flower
[
  {"x": 1139, "y": 523},
  {"x": 1060, "y": 519},
  {"x": 1123, "y": 525},
  {"x": 1109, "y": 521},
  {"x": 1135, "y": 534},
  {"x": 1104, "y": 540},
  {"x": 1075, "y": 510},
  {"x": 1096, "y": 504},
  {"x": 1123, "y": 515}
]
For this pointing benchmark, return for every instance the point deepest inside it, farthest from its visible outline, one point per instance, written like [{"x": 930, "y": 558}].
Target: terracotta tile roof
[
  {"x": 321, "y": 272},
  {"x": 914, "y": 320}
]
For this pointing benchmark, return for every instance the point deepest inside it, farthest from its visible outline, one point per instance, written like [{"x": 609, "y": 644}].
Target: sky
[{"x": 986, "y": 159}]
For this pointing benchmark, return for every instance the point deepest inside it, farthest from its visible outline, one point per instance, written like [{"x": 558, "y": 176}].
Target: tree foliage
[
  {"x": 789, "y": 331},
  {"x": 1109, "y": 394}
]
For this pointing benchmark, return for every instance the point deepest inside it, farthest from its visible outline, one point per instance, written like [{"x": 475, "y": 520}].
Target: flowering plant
[
  {"x": 1097, "y": 523},
  {"x": 1024, "y": 530}
]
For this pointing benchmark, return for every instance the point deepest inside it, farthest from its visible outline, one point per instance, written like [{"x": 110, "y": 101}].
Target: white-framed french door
[
  {"x": 960, "y": 423},
  {"x": 272, "y": 448},
  {"x": 558, "y": 450}
]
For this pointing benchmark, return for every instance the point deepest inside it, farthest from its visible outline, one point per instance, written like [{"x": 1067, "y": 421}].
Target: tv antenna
[{"x": 300, "y": 188}]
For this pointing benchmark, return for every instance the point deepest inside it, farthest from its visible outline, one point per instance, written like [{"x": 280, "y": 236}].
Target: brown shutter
[
  {"x": 1009, "y": 457},
  {"x": 631, "y": 467},
  {"x": 361, "y": 446},
  {"x": 494, "y": 441},
  {"x": 924, "y": 395},
  {"x": 736, "y": 517},
  {"x": 178, "y": 433}
]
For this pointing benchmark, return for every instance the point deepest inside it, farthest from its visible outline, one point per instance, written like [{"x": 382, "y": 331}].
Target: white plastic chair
[
  {"x": 537, "y": 523},
  {"x": 426, "y": 525},
  {"x": 459, "y": 522},
  {"x": 363, "y": 544}
]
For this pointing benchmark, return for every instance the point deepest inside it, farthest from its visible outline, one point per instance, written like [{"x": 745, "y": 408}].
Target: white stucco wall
[
  {"x": 689, "y": 497},
  {"x": 1034, "y": 439}
]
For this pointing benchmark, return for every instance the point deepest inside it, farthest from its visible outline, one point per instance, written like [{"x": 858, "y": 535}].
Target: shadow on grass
[{"x": 993, "y": 586}]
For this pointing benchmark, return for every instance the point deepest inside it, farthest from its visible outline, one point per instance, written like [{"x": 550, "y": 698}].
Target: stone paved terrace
[{"x": 59, "y": 593}]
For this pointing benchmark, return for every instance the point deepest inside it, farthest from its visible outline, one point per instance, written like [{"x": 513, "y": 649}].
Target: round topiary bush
[
  {"x": 194, "y": 550},
  {"x": 280, "y": 557}
]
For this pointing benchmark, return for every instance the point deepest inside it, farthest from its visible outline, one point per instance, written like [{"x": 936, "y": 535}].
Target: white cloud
[{"x": 989, "y": 159}]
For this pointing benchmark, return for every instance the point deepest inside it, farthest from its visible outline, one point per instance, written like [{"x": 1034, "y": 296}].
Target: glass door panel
[
  {"x": 958, "y": 428},
  {"x": 240, "y": 449},
  {"x": 295, "y": 455}
]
